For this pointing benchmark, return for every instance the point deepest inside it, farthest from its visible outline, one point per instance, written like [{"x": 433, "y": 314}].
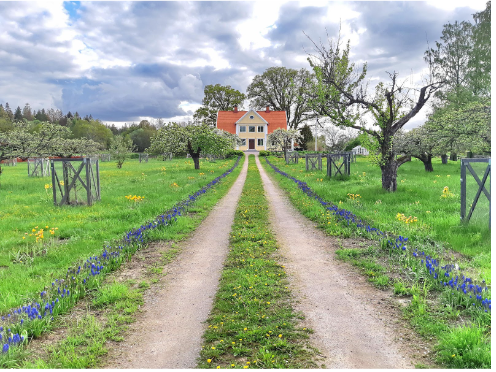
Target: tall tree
[
  {"x": 9, "y": 112},
  {"x": 480, "y": 61},
  {"x": 339, "y": 94},
  {"x": 18, "y": 114},
  {"x": 27, "y": 112},
  {"x": 306, "y": 134},
  {"x": 217, "y": 98},
  {"x": 450, "y": 58},
  {"x": 283, "y": 89}
]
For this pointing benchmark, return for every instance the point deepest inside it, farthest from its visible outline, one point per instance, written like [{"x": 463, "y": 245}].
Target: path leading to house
[
  {"x": 338, "y": 305},
  {"x": 169, "y": 334},
  {"x": 353, "y": 326}
]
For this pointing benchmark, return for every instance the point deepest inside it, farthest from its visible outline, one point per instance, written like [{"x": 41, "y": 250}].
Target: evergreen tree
[
  {"x": 307, "y": 135},
  {"x": 18, "y": 114},
  {"x": 8, "y": 111}
]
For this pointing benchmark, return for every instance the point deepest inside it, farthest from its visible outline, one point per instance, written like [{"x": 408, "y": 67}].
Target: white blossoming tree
[
  {"x": 196, "y": 140},
  {"x": 282, "y": 138}
]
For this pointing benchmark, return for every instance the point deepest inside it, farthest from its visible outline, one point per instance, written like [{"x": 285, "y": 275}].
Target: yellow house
[{"x": 251, "y": 126}]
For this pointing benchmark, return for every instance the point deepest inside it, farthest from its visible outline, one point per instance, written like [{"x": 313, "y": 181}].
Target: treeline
[{"x": 79, "y": 127}]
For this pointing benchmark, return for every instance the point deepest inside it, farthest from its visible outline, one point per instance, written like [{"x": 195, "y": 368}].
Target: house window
[
  {"x": 243, "y": 142},
  {"x": 251, "y": 129},
  {"x": 260, "y": 129},
  {"x": 260, "y": 141},
  {"x": 242, "y": 129},
  {"x": 252, "y": 117}
]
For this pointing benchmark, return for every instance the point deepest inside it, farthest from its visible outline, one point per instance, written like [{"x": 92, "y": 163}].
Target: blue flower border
[
  {"x": 460, "y": 283},
  {"x": 64, "y": 293}
]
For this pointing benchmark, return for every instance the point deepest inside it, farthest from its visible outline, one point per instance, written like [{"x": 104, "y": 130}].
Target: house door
[{"x": 251, "y": 144}]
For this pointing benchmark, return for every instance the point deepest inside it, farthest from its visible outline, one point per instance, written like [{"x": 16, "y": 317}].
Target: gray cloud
[{"x": 123, "y": 60}]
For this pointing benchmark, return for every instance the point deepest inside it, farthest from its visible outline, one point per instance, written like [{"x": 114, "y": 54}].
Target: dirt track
[
  {"x": 169, "y": 334},
  {"x": 353, "y": 328},
  {"x": 348, "y": 330}
]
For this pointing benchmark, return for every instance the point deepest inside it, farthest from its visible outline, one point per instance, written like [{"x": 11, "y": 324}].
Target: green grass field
[
  {"x": 456, "y": 322},
  {"x": 27, "y": 266},
  {"x": 420, "y": 194}
]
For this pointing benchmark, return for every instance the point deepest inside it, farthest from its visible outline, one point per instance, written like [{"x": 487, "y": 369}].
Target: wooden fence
[
  {"x": 38, "y": 167},
  {"x": 480, "y": 185},
  {"x": 75, "y": 181},
  {"x": 338, "y": 164}
]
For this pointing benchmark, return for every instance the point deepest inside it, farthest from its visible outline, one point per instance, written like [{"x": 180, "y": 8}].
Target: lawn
[
  {"x": 420, "y": 208},
  {"x": 446, "y": 295},
  {"x": 27, "y": 266}
]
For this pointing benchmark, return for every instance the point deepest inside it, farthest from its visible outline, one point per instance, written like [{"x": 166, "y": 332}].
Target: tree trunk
[
  {"x": 389, "y": 174},
  {"x": 390, "y": 171},
  {"x": 427, "y": 160},
  {"x": 194, "y": 155},
  {"x": 428, "y": 164},
  {"x": 196, "y": 160}
]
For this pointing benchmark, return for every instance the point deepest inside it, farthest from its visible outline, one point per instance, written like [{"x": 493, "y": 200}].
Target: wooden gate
[
  {"x": 338, "y": 164},
  {"x": 313, "y": 162},
  {"x": 480, "y": 186},
  {"x": 38, "y": 167},
  {"x": 75, "y": 181},
  {"x": 292, "y": 157}
]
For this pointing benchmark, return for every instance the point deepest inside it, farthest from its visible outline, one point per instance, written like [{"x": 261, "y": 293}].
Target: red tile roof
[{"x": 226, "y": 120}]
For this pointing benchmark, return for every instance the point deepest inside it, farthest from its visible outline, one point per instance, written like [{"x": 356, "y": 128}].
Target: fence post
[
  {"x": 463, "y": 189},
  {"x": 98, "y": 179},
  {"x": 52, "y": 165}
]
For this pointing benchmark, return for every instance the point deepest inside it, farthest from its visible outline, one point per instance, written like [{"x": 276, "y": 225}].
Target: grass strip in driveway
[{"x": 252, "y": 324}]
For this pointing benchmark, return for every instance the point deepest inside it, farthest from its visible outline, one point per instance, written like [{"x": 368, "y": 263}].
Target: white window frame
[
  {"x": 242, "y": 129},
  {"x": 260, "y": 142},
  {"x": 251, "y": 131},
  {"x": 243, "y": 142},
  {"x": 260, "y": 127}
]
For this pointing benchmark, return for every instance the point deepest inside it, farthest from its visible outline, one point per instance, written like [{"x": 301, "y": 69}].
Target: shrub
[
  {"x": 232, "y": 153},
  {"x": 264, "y": 153}
]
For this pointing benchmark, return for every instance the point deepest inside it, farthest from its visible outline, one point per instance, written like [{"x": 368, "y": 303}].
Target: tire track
[
  {"x": 169, "y": 334},
  {"x": 348, "y": 329}
]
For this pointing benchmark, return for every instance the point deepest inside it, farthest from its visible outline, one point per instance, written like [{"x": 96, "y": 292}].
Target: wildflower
[{"x": 209, "y": 360}]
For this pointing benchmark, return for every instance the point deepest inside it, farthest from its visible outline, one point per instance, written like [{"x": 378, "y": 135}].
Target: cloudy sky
[{"x": 124, "y": 61}]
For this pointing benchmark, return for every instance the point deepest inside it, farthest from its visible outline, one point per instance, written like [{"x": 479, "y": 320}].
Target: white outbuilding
[{"x": 359, "y": 150}]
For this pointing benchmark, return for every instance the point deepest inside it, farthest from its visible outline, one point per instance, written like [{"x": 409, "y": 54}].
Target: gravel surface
[
  {"x": 349, "y": 331},
  {"x": 169, "y": 334},
  {"x": 355, "y": 324}
]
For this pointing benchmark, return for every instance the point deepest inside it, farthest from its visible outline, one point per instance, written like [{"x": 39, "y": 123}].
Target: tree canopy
[
  {"x": 283, "y": 89},
  {"x": 217, "y": 98},
  {"x": 192, "y": 139}
]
